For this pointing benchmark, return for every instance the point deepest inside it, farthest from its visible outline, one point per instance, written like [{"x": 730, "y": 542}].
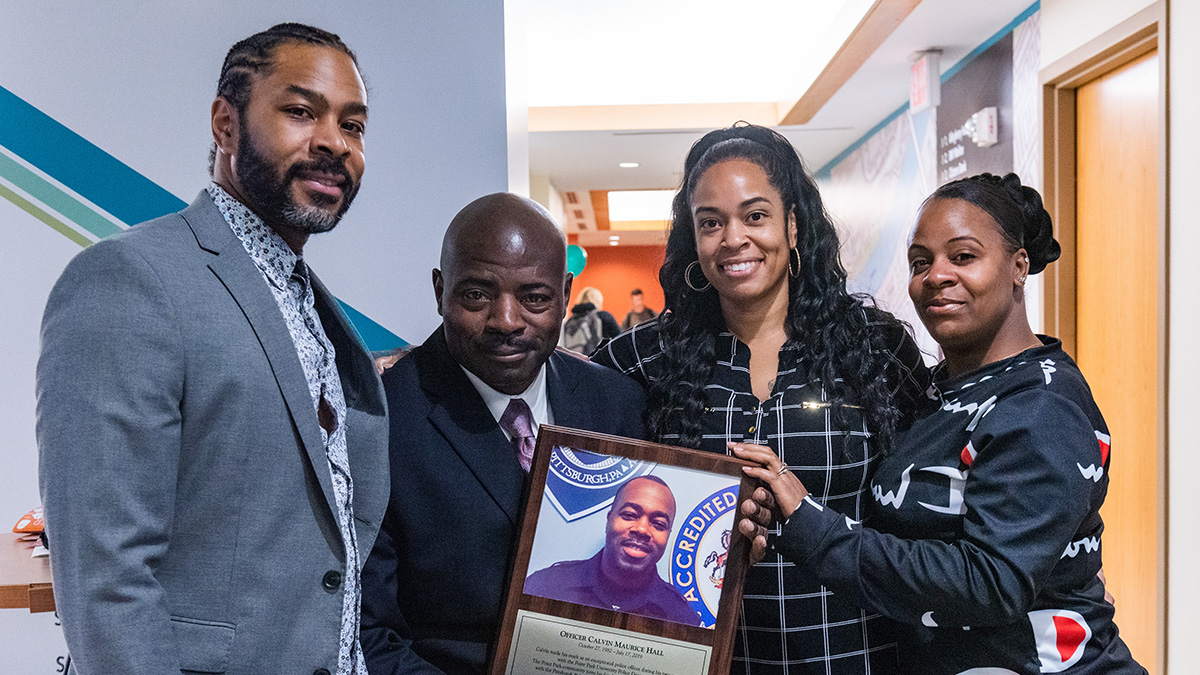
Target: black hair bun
[
  {"x": 1037, "y": 235},
  {"x": 1017, "y": 209}
]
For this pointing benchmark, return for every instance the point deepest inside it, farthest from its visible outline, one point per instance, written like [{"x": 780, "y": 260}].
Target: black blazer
[{"x": 434, "y": 585}]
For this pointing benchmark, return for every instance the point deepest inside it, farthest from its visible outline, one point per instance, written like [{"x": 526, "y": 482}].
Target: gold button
[{"x": 751, "y": 429}]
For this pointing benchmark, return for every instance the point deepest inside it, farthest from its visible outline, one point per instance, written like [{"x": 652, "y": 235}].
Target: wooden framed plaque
[{"x": 629, "y": 560}]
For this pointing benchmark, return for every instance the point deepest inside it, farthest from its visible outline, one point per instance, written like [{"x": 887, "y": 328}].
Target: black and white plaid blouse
[{"x": 790, "y": 623}]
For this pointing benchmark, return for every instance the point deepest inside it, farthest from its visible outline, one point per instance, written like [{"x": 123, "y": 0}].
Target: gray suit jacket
[{"x": 188, "y": 501}]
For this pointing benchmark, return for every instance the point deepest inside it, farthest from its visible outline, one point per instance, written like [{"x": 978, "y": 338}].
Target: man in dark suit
[
  {"x": 465, "y": 407},
  {"x": 211, "y": 431}
]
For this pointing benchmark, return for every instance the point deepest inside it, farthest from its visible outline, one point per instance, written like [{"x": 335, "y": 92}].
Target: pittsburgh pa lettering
[{"x": 572, "y": 474}]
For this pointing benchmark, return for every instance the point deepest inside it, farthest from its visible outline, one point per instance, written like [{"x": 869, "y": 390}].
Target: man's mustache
[
  {"x": 330, "y": 165},
  {"x": 510, "y": 342},
  {"x": 639, "y": 538}
]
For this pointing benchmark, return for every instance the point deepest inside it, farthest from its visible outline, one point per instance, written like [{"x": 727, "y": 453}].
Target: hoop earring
[
  {"x": 795, "y": 252},
  {"x": 687, "y": 278}
]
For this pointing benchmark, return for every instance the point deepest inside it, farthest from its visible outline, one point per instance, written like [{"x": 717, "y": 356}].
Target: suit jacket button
[
  {"x": 320, "y": 671},
  {"x": 331, "y": 581}
]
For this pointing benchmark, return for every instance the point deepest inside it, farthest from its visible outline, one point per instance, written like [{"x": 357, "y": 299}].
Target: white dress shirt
[{"x": 535, "y": 397}]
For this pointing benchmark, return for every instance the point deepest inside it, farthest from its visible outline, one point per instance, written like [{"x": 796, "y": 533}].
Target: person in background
[
  {"x": 589, "y": 324},
  {"x": 984, "y": 537},
  {"x": 212, "y": 434},
  {"x": 466, "y": 408},
  {"x": 638, "y": 311},
  {"x": 760, "y": 342}
]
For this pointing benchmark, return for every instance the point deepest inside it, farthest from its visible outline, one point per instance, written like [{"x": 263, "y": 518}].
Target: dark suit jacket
[
  {"x": 434, "y": 586},
  {"x": 188, "y": 497}
]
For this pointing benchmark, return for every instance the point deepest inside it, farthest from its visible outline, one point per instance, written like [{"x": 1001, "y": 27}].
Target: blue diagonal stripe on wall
[
  {"x": 375, "y": 337},
  {"x": 75, "y": 162}
]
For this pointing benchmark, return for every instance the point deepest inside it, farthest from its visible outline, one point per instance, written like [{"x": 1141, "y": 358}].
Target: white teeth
[{"x": 739, "y": 267}]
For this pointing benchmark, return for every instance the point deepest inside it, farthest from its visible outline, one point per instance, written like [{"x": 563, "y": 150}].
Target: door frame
[{"x": 1140, "y": 34}]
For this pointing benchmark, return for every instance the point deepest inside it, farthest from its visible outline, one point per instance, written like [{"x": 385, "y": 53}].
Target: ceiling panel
[{"x": 587, "y": 160}]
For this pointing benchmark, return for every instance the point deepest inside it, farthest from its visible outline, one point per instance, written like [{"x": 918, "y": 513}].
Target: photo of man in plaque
[{"x": 623, "y": 575}]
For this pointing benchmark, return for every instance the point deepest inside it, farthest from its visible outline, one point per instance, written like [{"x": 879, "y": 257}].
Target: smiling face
[
  {"x": 966, "y": 283},
  {"x": 502, "y": 290},
  {"x": 743, "y": 235},
  {"x": 296, "y": 158},
  {"x": 637, "y": 530}
]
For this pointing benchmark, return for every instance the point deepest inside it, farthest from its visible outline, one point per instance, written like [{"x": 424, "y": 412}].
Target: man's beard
[{"x": 272, "y": 197}]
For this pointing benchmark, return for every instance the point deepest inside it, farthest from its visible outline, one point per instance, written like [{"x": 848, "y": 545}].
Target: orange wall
[{"x": 616, "y": 270}]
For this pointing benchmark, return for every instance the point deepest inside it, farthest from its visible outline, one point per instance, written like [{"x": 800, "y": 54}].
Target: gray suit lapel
[{"x": 233, "y": 266}]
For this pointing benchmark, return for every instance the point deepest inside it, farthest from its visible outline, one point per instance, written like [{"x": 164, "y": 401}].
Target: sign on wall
[{"x": 976, "y": 100}]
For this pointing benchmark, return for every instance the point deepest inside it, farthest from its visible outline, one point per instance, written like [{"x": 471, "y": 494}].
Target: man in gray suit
[{"x": 212, "y": 433}]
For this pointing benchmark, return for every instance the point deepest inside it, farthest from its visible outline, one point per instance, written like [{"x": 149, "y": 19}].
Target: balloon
[{"x": 576, "y": 259}]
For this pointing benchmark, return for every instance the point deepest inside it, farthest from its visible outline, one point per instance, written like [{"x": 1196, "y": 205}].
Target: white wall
[
  {"x": 1183, "y": 327},
  {"x": 1069, "y": 24},
  {"x": 137, "y": 78},
  {"x": 516, "y": 34},
  {"x": 542, "y": 191},
  {"x": 139, "y": 82}
]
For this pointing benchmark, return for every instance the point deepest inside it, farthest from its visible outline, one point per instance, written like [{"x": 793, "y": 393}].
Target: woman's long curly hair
[{"x": 824, "y": 320}]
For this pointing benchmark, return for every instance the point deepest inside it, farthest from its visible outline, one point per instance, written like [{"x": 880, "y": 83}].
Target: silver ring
[{"x": 782, "y": 470}]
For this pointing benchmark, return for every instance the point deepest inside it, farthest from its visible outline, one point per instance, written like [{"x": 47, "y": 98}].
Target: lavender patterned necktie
[{"x": 517, "y": 420}]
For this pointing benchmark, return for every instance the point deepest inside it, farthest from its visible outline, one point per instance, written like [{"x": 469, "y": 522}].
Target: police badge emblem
[{"x": 581, "y": 483}]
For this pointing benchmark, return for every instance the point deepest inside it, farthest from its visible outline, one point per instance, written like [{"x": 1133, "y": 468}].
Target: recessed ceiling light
[
  {"x": 614, "y": 242},
  {"x": 614, "y": 237},
  {"x": 629, "y": 165},
  {"x": 639, "y": 204}
]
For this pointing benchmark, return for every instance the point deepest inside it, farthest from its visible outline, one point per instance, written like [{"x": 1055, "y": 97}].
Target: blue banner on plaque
[{"x": 581, "y": 483}]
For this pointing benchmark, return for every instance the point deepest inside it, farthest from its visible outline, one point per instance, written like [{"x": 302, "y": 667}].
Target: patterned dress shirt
[
  {"x": 790, "y": 623},
  {"x": 287, "y": 276}
]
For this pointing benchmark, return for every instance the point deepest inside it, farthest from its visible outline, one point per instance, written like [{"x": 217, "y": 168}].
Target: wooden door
[{"x": 1117, "y": 323}]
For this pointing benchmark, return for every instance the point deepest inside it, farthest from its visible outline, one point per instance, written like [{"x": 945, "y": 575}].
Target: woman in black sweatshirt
[{"x": 984, "y": 537}]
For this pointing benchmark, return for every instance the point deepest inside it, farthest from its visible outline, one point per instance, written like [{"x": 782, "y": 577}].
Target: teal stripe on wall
[
  {"x": 375, "y": 337},
  {"x": 825, "y": 173},
  {"x": 73, "y": 161},
  {"x": 45, "y": 192},
  {"x": 1012, "y": 25}
]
